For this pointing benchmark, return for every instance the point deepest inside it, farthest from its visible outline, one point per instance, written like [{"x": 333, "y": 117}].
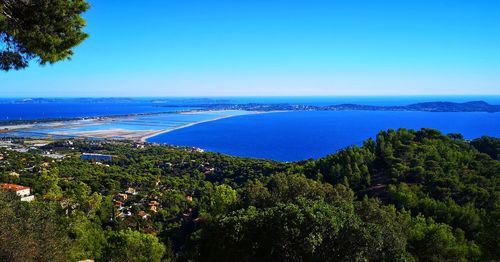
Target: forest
[{"x": 405, "y": 195}]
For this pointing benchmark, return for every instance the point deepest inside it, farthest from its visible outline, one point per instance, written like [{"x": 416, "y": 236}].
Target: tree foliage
[
  {"x": 303, "y": 230},
  {"x": 45, "y": 30},
  {"x": 488, "y": 145},
  {"x": 134, "y": 246},
  {"x": 31, "y": 232},
  {"x": 405, "y": 195}
]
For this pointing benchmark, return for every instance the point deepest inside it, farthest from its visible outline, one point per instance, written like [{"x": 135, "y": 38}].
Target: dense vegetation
[{"x": 405, "y": 196}]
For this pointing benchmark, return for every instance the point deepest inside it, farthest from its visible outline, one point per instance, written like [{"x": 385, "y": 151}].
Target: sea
[
  {"x": 293, "y": 136},
  {"x": 281, "y": 136},
  {"x": 12, "y": 110}
]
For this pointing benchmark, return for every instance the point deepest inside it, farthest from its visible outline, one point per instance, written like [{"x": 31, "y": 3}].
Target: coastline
[
  {"x": 144, "y": 138},
  {"x": 116, "y": 133}
]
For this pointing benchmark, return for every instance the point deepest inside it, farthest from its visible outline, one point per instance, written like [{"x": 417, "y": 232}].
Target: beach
[
  {"x": 145, "y": 137},
  {"x": 135, "y": 128}
]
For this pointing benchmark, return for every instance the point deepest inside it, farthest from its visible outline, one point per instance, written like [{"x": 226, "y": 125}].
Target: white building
[{"x": 22, "y": 191}]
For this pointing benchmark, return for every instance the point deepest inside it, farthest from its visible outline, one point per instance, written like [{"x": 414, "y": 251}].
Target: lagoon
[{"x": 135, "y": 128}]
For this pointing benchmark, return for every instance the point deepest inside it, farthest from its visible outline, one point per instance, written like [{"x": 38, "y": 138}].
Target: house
[
  {"x": 22, "y": 191},
  {"x": 153, "y": 205},
  {"x": 131, "y": 191},
  {"x": 143, "y": 215},
  {"x": 189, "y": 198},
  {"x": 96, "y": 157},
  {"x": 121, "y": 197},
  {"x": 118, "y": 204},
  {"x": 197, "y": 150},
  {"x": 53, "y": 155}
]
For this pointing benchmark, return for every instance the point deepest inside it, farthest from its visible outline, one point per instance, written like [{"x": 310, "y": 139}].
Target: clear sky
[{"x": 276, "y": 48}]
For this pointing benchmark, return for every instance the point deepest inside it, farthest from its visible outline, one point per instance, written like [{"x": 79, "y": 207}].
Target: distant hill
[
  {"x": 224, "y": 104},
  {"x": 472, "y": 106}
]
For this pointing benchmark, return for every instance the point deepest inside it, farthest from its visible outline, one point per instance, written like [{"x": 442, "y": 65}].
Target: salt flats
[{"x": 137, "y": 128}]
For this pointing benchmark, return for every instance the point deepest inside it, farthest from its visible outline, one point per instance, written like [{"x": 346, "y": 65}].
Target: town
[{"x": 41, "y": 154}]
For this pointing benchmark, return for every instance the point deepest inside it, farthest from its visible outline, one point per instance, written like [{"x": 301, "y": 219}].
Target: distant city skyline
[{"x": 276, "y": 48}]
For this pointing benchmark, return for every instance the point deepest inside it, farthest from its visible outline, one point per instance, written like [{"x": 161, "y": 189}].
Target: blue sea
[
  {"x": 292, "y": 136},
  {"x": 18, "y": 111},
  {"x": 288, "y": 136}
]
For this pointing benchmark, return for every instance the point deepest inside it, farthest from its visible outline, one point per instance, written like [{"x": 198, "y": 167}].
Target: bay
[
  {"x": 9, "y": 111},
  {"x": 292, "y": 136}
]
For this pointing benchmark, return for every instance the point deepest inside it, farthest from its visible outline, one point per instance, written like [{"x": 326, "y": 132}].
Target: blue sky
[{"x": 276, "y": 48}]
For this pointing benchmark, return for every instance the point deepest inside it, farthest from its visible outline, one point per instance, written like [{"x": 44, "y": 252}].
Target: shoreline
[
  {"x": 137, "y": 135},
  {"x": 75, "y": 123},
  {"x": 60, "y": 121},
  {"x": 144, "y": 139}
]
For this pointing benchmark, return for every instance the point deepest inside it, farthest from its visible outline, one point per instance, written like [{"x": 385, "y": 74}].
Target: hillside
[{"x": 405, "y": 196}]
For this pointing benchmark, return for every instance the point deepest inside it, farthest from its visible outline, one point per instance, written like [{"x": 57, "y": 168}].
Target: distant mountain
[{"x": 473, "y": 106}]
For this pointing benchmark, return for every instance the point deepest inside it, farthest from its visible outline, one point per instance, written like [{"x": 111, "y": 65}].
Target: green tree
[
  {"x": 430, "y": 241},
  {"x": 31, "y": 231},
  {"x": 134, "y": 246},
  {"x": 47, "y": 183},
  {"x": 45, "y": 30},
  {"x": 303, "y": 231},
  {"x": 488, "y": 145},
  {"x": 223, "y": 197},
  {"x": 89, "y": 240}
]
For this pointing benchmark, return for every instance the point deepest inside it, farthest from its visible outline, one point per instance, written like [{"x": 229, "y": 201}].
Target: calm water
[
  {"x": 282, "y": 136},
  {"x": 136, "y": 123},
  {"x": 294, "y": 136},
  {"x": 70, "y": 108},
  {"x": 362, "y": 100},
  {"x": 10, "y": 111}
]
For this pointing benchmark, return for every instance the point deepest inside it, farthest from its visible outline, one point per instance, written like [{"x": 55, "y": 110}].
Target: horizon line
[{"x": 257, "y": 96}]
